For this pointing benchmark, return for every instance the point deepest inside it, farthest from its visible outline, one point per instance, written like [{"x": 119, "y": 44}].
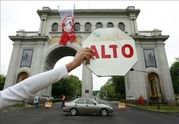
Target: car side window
[
  {"x": 88, "y": 101},
  {"x": 80, "y": 101}
]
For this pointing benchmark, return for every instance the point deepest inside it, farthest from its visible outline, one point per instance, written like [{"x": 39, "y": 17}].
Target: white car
[{"x": 87, "y": 105}]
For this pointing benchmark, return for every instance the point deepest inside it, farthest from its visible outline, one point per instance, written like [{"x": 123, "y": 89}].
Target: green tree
[
  {"x": 108, "y": 91},
  {"x": 174, "y": 71},
  {"x": 69, "y": 87},
  {"x": 114, "y": 88},
  {"x": 2, "y": 81},
  {"x": 119, "y": 83}
]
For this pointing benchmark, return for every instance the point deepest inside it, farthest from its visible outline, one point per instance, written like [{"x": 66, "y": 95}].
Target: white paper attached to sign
[{"x": 115, "y": 52}]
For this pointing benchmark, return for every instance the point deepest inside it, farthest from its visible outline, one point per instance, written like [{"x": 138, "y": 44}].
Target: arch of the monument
[
  {"x": 52, "y": 58},
  {"x": 55, "y": 53}
]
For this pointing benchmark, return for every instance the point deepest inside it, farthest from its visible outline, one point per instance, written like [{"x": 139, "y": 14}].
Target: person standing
[
  {"x": 36, "y": 101},
  {"x": 63, "y": 101}
]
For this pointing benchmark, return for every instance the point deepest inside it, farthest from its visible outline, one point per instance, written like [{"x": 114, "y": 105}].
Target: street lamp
[{"x": 132, "y": 69}]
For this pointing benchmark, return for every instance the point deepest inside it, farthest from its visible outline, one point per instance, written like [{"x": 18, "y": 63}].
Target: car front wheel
[
  {"x": 104, "y": 112},
  {"x": 73, "y": 111}
]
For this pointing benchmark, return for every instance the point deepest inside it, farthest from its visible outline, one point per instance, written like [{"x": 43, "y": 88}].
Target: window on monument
[
  {"x": 99, "y": 25},
  {"x": 55, "y": 27},
  {"x": 88, "y": 26},
  {"x": 77, "y": 26},
  {"x": 121, "y": 26},
  {"x": 110, "y": 25}
]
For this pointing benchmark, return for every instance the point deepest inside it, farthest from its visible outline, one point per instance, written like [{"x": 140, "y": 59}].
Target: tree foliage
[
  {"x": 174, "y": 71},
  {"x": 119, "y": 84},
  {"x": 114, "y": 88},
  {"x": 2, "y": 81},
  {"x": 69, "y": 87}
]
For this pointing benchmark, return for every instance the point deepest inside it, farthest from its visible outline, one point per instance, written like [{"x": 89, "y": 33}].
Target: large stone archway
[
  {"x": 58, "y": 52},
  {"x": 51, "y": 59}
]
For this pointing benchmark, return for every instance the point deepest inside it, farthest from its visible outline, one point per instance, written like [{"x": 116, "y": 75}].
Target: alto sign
[{"x": 115, "y": 52}]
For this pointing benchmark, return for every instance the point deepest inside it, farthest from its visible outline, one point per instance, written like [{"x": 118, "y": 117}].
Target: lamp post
[{"x": 132, "y": 69}]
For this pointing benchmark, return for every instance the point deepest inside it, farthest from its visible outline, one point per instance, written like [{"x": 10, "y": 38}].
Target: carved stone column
[
  {"x": 13, "y": 65},
  {"x": 87, "y": 83},
  {"x": 132, "y": 25}
]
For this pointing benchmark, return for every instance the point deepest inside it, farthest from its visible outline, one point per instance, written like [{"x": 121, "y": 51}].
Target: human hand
[{"x": 81, "y": 55}]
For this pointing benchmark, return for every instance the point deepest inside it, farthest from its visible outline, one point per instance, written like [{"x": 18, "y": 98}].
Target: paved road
[{"x": 55, "y": 115}]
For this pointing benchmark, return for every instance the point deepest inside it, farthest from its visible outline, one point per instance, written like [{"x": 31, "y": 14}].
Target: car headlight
[{"x": 111, "y": 108}]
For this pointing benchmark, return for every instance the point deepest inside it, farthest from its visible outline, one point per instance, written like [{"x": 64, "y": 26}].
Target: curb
[{"x": 161, "y": 111}]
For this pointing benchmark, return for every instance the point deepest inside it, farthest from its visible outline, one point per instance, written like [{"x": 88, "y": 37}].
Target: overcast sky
[{"x": 162, "y": 15}]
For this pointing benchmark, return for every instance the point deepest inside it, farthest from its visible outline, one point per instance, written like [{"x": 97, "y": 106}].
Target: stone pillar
[
  {"x": 93, "y": 27},
  {"x": 87, "y": 83},
  {"x": 13, "y": 65},
  {"x": 82, "y": 28},
  {"x": 129, "y": 87},
  {"x": 104, "y": 26},
  {"x": 36, "y": 67},
  {"x": 40, "y": 28},
  {"x": 135, "y": 80},
  {"x": 37, "y": 57},
  {"x": 43, "y": 28},
  {"x": 135, "y": 26},
  {"x": 165, "y": 72},
  {"x": 132, "y": 25}
]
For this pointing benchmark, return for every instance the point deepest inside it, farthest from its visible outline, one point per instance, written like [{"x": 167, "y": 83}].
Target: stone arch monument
[{"x": 38, "y": 51}]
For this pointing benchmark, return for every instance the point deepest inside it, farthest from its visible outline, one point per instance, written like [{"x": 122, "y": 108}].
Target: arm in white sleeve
[{"x": 28, "y": 87}]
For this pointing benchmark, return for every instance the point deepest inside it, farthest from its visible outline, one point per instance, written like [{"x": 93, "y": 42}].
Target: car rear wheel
[
  {"x": 104, "y": 112},
  {"x": 73, "y": 111}
]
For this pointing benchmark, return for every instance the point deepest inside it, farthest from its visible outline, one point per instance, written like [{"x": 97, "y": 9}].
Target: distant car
[{"x": 87, "y": 105}]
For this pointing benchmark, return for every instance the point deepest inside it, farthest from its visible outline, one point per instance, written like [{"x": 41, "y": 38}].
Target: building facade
[{"x": 36, "y": 52}]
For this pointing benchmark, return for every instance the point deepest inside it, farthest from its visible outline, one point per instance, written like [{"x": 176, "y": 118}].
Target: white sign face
[{"x": 115, "y": 52}]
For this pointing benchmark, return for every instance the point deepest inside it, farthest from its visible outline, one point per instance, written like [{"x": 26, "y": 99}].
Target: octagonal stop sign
[{"x": 115, "y": 52}]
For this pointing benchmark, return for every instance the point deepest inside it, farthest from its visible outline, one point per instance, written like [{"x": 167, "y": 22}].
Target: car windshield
[
  {"x": 80, "y": 101},
  {"x": 98, "y": 101}
]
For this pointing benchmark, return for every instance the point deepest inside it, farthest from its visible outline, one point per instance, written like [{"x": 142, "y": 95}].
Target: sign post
[{"x": 115, "y": 52}]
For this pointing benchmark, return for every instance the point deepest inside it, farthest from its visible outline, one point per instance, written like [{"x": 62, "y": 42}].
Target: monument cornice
[
  {"x": 15, "y": 38},
  {"x": 143, "y": 37},
  {"x": 53, "y": 12}
]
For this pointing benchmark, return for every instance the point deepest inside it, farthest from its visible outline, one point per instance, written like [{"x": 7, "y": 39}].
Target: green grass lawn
[
  {"x": 163, "y": 108},
  {"x": 17, "y": 106}
]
